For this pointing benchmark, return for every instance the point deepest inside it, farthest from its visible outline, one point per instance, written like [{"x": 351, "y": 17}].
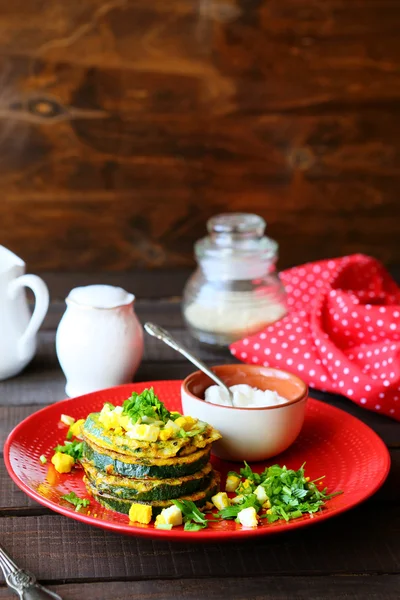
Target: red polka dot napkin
[{"x": 342, "y": 333}]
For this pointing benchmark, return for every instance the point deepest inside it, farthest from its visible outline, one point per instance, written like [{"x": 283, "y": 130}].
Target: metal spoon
[{"x": 164, "y": 335}]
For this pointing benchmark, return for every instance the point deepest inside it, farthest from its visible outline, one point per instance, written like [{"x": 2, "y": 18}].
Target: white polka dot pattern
[{"x": 342, "y": 335}]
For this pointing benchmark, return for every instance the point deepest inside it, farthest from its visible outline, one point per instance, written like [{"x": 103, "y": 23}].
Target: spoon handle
[{"x": 164, "y": 335}]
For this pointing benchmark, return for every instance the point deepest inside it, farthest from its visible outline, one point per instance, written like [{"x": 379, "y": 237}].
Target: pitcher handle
[{"x": 41, "y": 292}]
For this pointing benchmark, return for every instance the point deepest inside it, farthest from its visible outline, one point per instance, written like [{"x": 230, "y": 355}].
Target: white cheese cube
[
  {"x": 144, "y": 433},
  {"x": 261, "y": 494},
  {"x": 237, "y": 499},
  {"x": 220, "y": 500},
  {"x": 232, "y": 481},
  {"x": 248, "y": 517},
  {"x": 172, "y": 516}
]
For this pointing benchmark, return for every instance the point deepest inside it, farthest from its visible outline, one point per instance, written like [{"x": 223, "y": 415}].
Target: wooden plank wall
[{"x": 125, "y": 124}]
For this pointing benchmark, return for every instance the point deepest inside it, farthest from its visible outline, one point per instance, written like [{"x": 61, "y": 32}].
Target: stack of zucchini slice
[{"x": 120, "y": 471}]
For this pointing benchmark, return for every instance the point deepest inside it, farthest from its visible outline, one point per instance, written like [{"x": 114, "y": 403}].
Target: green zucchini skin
[
  {"x": 178, "y": 467},
  {"x": 122, "y": 506},
  {"x": 147, "y": 490},
  {"x": 93, "y": 432}
]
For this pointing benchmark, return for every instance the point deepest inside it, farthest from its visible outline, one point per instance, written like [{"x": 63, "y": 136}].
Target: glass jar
[{"x": 235, "y": 290}]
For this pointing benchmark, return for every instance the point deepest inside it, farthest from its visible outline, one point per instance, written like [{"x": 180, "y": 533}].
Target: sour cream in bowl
[{"x": 267, "y": 413}]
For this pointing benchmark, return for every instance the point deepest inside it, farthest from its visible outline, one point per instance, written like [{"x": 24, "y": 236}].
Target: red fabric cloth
[{"x": 342, "y": 333}]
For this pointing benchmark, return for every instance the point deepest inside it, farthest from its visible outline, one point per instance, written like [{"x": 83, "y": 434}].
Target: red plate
[{"x": 332, "y": 443}]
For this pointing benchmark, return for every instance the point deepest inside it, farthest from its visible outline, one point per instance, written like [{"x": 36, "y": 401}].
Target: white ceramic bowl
[{"x": 249, "y": 434}]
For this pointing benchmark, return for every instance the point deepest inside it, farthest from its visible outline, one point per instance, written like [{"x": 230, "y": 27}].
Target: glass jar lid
[{"x": 236, "y": 247}]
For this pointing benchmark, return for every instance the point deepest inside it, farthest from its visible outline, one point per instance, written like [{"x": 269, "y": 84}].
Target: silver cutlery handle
[
  {"x": 22, "y": 582},
  {"x": 162, "y": 334}
]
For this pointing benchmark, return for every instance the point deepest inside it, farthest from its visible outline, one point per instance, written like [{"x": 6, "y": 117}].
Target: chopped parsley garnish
[
  {"x": 193, "y": 517},
  {"x": 145, "y": 404},
  {"x": 167, "y": 526},
  {"x": 247, "y": 473},
  {"x": 72, "y": 498},
  {"x": 290, "y": 494},
  {"x": 74, "y": 449}
]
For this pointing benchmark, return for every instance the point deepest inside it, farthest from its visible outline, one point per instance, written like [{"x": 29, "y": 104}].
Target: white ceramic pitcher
[
  {"x": 18, "y": 328},
  {"x": 99, "y": 340}
]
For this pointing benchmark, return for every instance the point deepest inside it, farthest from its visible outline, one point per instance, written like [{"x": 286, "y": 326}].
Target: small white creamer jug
[
  {"x": 18, "y": 328},
  {"x": 99, "y": 340}
]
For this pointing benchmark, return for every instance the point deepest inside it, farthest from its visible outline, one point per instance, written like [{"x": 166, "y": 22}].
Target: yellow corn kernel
[
  {"x": 267, "y": 504},
  {"x": 269, "y": 511},
  {"x": 140, "y": 513},
  {"x": 63, "y": 463},
  {"x": 307, "y": 478}
]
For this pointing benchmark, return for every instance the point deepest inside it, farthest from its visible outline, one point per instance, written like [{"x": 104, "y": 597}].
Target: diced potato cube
[
  {"x": 248, "y": 517},
  {"x": 140, "y": 513},
  {"x": 67, "y": 420},
  {"x": 261, "y": 494},
  {"x": 232, "y": 481},
  {"x": 63, "y": 463},
  {"x": 172, "y": 515},
  {"x": 220, "y": 500}
]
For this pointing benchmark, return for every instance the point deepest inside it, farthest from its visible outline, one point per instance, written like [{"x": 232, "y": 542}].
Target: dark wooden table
[{"x": 356, "y": 555}]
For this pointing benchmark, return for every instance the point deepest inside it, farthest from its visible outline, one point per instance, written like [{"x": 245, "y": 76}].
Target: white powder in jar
[
  {"x": 236, "y": 313},
  {"x": 244, "y": 396}
]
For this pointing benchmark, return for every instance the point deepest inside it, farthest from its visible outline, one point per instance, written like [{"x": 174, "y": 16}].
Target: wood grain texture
[
  {"x": 56, "y": 548},
  {"x": 383, "y": 587},
  {"x": 125, "y": 125}
]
